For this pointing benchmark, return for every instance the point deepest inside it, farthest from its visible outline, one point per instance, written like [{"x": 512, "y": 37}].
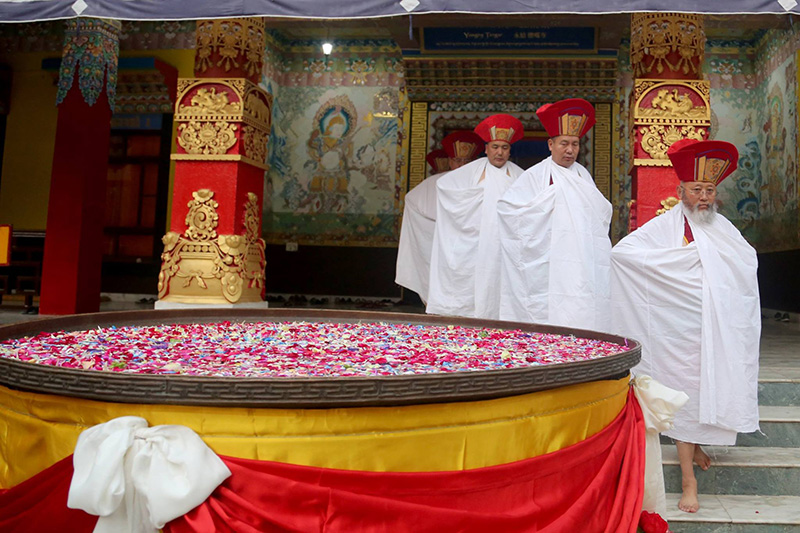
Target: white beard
[{"x": 701, "y": 216}]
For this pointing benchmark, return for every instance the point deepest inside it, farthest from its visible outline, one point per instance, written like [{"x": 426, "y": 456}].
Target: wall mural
[
  {"x": 734, "y": 91},
  {"x": 755, "y": 107},
  {"x": 336, "y": 149}
]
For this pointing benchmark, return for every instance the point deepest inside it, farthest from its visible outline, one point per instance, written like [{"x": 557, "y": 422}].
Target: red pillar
[
  {"x": 213, "y": 253},
  {"x": 75, "y": 213},
  {"x": 669, "y": 102}
]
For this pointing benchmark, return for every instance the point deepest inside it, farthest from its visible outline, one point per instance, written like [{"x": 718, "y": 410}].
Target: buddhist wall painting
[
  {"x": 336, "y": 154},
  {"x": 343, "y": 185},
  {"x": 754, "y": 97}
]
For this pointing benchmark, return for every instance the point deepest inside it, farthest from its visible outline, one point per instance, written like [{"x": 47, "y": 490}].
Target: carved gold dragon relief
[
  {"x": 207, "y": 101},
  {"x": 669, "y": 103}
]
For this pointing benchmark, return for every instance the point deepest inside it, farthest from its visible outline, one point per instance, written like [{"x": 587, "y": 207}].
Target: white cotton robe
[
  {"x": 697, "y": 313},
  {"x": 416, "y": 237},
  {"x": 555, "y": 256},
  {"x": 465, "y": 260}
]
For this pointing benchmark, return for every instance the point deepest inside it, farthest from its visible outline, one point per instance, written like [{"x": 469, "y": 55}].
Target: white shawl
[
  {"x": 555, "y": 248},
  {"x": 697, "y": 313},
  {"x": 465, "y": 260},
  {"x": 416, "y": 237}
]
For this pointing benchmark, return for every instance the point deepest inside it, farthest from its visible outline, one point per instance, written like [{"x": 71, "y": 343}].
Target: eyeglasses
[{"x": 698, "y": 191}]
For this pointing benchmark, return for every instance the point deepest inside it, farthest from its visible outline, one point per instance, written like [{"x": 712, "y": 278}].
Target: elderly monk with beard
[{"x": 684, "y": 285}]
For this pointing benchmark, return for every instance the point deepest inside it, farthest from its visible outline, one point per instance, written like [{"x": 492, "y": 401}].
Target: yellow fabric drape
[{"x": 39, "y": 429}]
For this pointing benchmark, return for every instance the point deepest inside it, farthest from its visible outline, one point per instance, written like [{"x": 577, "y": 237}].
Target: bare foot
[
  {"x": 701, "y": 458},
  {"x": 689, "y": 502}
]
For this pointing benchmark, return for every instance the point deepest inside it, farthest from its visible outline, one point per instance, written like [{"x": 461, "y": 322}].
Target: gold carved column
[
  {"x": 669, "y": 102},
  {"x": 213, "y": 253}
]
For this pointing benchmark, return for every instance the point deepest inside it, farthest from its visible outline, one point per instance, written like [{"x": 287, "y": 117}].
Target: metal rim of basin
[{"x": 316, "y": 392}]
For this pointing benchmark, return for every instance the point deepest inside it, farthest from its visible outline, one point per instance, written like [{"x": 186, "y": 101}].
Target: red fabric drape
[
  {"x": 593, "y": 486},
  {"x": 39, "y": 504}
]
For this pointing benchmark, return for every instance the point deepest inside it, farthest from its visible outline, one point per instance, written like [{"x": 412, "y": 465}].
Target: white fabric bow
[
  {"x": 138, "y": 478},
  {"x": 659, "y": 404}
]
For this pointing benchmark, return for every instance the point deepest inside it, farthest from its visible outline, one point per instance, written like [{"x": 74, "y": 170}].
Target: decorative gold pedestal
[{"x": 201, "y": 267}]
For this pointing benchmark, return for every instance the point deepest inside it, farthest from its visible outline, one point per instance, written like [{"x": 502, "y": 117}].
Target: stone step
[
  {"x": 740, "y": 470},
  {"x": 780, "y": 427},
  {"x": 778, "y": 389},
  {"x": 736, "y": 514}
]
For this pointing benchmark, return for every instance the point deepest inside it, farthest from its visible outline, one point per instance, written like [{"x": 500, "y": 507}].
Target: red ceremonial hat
[
  {"x": 706, "y": 161},
  {"x": 438, "y": 160},
  {"x": 462, "y": 144},
  {"x": 573, "y": 116},
  {"x": 500, "y": 128}
]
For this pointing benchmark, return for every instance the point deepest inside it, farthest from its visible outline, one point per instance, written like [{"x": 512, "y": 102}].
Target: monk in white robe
[
  {"x": 465, "y": 255},
  {"x": 554, "y": 232},
  {"x": 419, "y": 211},
  {"x": 685, "y": 286}
]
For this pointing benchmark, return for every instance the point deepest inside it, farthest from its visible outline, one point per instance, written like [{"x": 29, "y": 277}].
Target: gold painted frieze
[
  {"x": 664, "y": 112},
  {"x": 222, "y": 117}
]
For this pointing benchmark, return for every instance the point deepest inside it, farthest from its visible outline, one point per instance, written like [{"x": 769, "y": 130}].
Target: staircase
[{"x": 755, "y": 486}]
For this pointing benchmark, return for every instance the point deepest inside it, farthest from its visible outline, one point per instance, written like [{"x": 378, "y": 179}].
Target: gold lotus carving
[
  {"x": 206, "y": 138},
  {"x": 657, "y": 138}
]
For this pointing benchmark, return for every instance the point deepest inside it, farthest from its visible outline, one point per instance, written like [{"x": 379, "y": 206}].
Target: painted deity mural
[
  {"x": 754, "y": 105},
  {"x": 336, "y": 150}
]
